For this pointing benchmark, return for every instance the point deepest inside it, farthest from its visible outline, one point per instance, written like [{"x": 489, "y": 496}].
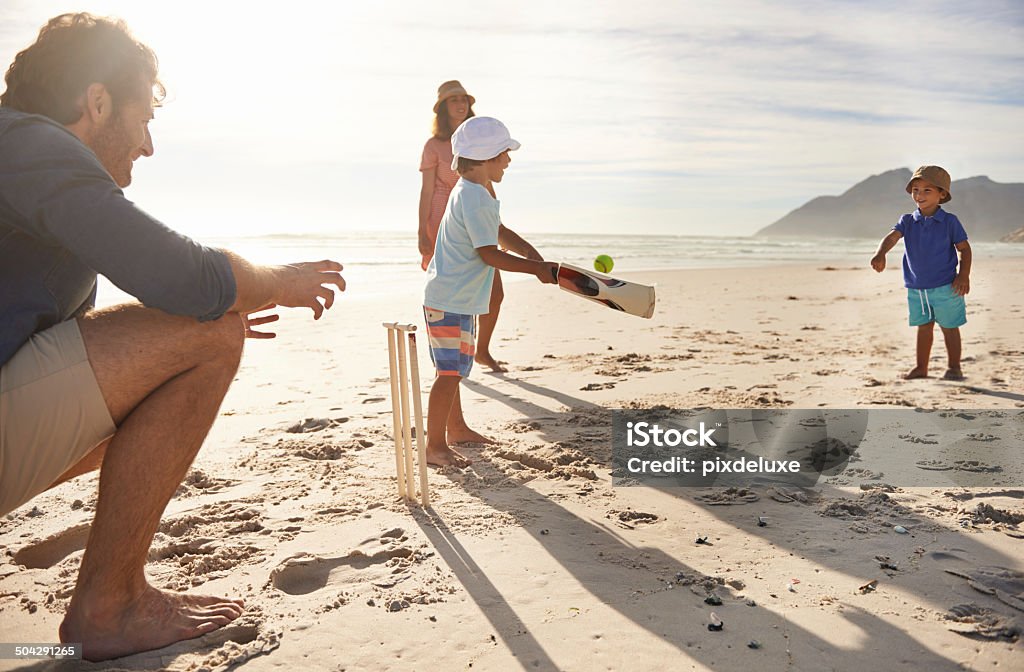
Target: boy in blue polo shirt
[
  {"x": 935, "y": 289},
  {"x": 460, "y": 274}
]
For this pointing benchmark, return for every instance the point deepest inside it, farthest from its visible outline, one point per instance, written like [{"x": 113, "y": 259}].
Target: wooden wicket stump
[{"x": 404, "y": 367}]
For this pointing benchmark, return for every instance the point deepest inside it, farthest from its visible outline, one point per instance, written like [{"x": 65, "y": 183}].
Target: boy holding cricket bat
[{"x": 460, "y": 274}]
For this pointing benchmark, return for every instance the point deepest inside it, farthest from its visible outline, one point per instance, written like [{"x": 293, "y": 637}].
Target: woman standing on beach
[{"x": 454, "y": 105}]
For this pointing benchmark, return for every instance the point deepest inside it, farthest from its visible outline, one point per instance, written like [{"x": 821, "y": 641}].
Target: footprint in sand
[
  {"x": 728, "y": 497},
  {"x": 963, "y": 496},
  {"x": 53, "y": 549},
  {"x": 239, "y": 634},
  {"x": 198, "y": 482},
  {"x": 864, "y": 474},
  {"x": 985, "y": 438},
  {"x": 629, "y": 519},
  {"x": 844, "y": 509},
  {"x": 322, "y": 452},
  {"x": 568, "y": 464},
  {"x": 1006, "y": 584},
  {"x": 323, "y": 449},
  {"x": 933, "y": 465},
  {"x": 785, "y": 494},
  {"x": 224, "y": 648},
  {"x": 986, "y": 513},
  {"x": 917, "y": 439},
  {"x": 523, "y": 427},
  {"x": 978, "y": 622},
  {"x": 206, "y": 543},
  {"x": 219, "y": 518},
  {"x": 315, "y": 425},
  {"x": 305, "y": 573},
  {"x": 975, "y": 466},
  {"x": 184, "y": 549},
  {"x": 526, "y": 459}
]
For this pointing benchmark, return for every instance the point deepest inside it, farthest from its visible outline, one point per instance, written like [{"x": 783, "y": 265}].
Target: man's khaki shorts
[{"x": 52, "y": 413}]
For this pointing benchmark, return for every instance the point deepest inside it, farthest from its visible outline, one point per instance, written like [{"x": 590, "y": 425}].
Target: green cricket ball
[{"x": 603, "y": 263}]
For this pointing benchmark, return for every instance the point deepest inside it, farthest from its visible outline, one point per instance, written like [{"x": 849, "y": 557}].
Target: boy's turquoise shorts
[{"x": 939, "y": 304}]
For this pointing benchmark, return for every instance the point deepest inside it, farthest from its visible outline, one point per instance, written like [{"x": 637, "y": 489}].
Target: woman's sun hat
[
  {"x": 480, "y": 138},
  {"x": 933, "y": 175},
  {"x": 449, "y": 89}
]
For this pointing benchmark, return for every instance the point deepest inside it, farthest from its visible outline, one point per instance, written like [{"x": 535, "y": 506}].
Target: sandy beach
[{"x": 530, "y": 559}]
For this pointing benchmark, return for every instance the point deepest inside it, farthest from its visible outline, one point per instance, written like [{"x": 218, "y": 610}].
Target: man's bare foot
[
  {"x": 467, "y": 435},
  {"x": 954, "y": 374},
  {"x": 444, "y": 457},
  {"x": 916, "y": 372},
  {"x": 152, "y": 621},
  {"x": 485, "y": 359}
]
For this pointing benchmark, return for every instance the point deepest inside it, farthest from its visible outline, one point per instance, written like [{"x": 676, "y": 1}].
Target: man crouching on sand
[{"x": 132, "y": 389}]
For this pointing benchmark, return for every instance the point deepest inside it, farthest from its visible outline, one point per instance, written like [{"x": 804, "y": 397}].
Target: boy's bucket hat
[
  {"x": 480, "y": 138},
  {"x": 449, "y": 89},
  {"x": 933, "y": 175}
]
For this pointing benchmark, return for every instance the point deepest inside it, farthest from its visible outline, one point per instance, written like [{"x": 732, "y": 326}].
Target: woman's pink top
[{"x": 437, "y": 154}]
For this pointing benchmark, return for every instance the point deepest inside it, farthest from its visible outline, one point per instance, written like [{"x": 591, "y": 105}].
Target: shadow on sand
[{"x": 633, "y": 580}]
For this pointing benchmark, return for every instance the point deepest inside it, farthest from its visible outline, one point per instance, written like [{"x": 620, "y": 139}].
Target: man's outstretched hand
[
  {"x": 305, "y": 285},
  {"x": 251, "y": 320}
]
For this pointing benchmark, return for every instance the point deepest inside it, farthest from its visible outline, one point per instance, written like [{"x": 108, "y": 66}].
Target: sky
[{"x": 657, "y": 117}]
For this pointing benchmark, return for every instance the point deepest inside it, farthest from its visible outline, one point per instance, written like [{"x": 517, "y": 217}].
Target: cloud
[
  {"x": 706, "y": 116},
  {"x": 858, "y": 116}
]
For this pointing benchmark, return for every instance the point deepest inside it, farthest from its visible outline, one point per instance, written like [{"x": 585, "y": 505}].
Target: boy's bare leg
[
  {"x": 925, "y": 336},
  {"x": 486, "y": 330},
  {"x": 458, "y": 430},
  {"x": 953, "y": 349},
  {"x": 443, "y": 402},
  {"x": 163, "y": 378}
]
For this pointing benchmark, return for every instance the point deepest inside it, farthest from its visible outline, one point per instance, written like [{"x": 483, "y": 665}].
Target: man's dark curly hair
[{"x": 72, "y": 52}]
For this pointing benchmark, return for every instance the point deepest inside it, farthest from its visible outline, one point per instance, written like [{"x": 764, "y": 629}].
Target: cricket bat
[{"x": 622, "y": 295}]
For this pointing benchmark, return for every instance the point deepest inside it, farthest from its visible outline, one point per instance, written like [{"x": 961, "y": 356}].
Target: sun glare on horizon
[{"x": 650, "y": 118}]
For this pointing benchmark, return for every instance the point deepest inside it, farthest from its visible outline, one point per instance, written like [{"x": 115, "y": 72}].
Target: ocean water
[{"x": 381, "y": 263}]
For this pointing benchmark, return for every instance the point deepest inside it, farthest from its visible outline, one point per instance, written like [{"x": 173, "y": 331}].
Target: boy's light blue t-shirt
[{"x": 458, "y": 280}]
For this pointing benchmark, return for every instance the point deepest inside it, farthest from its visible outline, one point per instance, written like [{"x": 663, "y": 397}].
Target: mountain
[
  {"x": 1014, "y": 236},
  {"x": 988, "y": 210}
]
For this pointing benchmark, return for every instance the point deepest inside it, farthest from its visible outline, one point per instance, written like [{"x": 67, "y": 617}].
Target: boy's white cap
[{"x": 480, "y": 138}]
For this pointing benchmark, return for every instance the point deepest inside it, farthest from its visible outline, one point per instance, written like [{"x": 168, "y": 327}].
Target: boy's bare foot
[
  {"x": 444, "y": 457},
  {"x": 954, "y": 374},
  {"x": 152, "y": 621},
  {"x": 467, "y": 435},
  {"x": 916, "y": 372},
  {"x": 485, "y": 359}
]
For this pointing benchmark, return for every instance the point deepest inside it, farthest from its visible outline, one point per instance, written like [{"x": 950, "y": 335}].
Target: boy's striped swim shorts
[{"x": 452, "y": 339}]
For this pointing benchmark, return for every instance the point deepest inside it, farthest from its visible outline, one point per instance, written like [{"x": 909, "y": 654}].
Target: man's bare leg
[
  {"x": 487, "y": 323},
  {"x": 925, "y": 336},
  {"x": 444, "y": 398},
  {"x": 91, "y": 462},
  {"x": 163, "y": 378}
]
